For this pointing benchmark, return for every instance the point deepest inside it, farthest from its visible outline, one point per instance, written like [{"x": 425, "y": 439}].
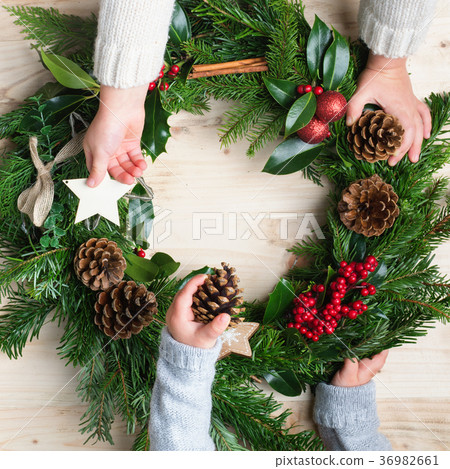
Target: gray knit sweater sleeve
[
  {"x": 181, "y": 399},
  {"x": 394, "y": 28},
  {"x": 347, "y": 418}
]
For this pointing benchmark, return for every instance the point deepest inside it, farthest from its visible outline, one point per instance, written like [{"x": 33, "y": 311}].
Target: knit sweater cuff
[
  {"x": 394, "y": 29},
  {"x": 345, "y": 407},
  {"x": 131, "y": 40},
  {"x": 187, "y": 357}
]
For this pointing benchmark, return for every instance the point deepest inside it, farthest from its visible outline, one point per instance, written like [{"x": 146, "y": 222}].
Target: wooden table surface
[{"x": 196, "y": 180}]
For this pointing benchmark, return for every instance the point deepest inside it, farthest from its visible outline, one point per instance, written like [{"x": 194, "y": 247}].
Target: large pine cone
[
  {"x": 124, "y": 309},
  {"x": 375, "y": 136},
  {"x": 219, "y": 294},
  {"x": 368, "y": 206},
  {"x": 99, "y": 264}
]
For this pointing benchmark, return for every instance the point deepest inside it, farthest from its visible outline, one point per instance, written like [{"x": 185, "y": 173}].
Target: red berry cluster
[
  {"x": 139, "y": 252},
  {"x": 312, "y": 322},
  {"x": 302, "y": 89},
  {"x": 164, "y": 86}
]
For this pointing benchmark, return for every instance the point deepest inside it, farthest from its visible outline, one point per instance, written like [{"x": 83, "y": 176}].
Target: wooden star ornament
[
  {"x": 236, "y": 339},
  {"x": 100, "y": 200}
]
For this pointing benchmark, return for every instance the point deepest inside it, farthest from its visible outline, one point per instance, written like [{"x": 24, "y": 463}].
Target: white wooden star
[
  {"x": 100, "y": 200},
  {"x": 236, "y": 339}
]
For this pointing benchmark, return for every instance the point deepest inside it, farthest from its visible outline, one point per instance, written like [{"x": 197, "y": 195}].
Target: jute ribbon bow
[{"x": 37, "y": 200}]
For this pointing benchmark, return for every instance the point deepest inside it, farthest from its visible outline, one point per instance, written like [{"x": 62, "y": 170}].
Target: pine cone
[
  {"x": 124, "y": 309},
  {"x": 375, "y": 136},
  {"x": 368, "y": 206},
  {"x": 99, "y": 264},
  {"x": 219, "y": 294}
]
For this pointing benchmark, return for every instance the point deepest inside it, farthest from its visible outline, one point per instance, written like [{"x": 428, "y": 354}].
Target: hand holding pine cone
[
  {"x": 218, "y": 294},
  {"x": 375, "y": 136}
]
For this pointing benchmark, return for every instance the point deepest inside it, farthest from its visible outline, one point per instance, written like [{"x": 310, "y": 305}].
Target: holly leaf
[
  {"x": 292, "y": 155},
  {"x": 140, "y": 269},
  {"x": 300, "y": 113},
  {"x": 54, "y": 111},
  {"x": 167, "y": 266},
  {"x": 140, "y": 217},
  {"x": 68, "y": 73},
  {"x": 180, "y": 27},
  {"x": 279, "y": 300},
  {"x": 204, "y": 270},
  {"x": 156, "y": 129},
  {"x": 377, "y": 277},
  {"x": 335, "y": 62},
  {"x": 358, "y": 247},
  {"x": 318, "y": 41},
  {"x": 284, "y": 382},
  {"x": 283, "y": 91}
]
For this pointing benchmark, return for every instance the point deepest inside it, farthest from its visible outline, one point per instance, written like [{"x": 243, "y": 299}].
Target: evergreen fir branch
[
  {"x": 266, "y": 129},
  {"x": 21, "y": 321},
  {"x": 142, "y": 441},
  {"x": 224, "y": 439},
  {"x": 60, "y": 32}
]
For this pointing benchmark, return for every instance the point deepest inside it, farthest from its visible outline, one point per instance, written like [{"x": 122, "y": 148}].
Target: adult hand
[
  {"x": 112, "y": 142},
  {"x": 386, "y": 82},
  {"x": 180, "y": 319},
  {"x": 355, "y": 373}
]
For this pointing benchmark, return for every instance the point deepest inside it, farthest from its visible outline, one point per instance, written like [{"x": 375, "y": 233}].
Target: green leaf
[
  {"x": 204, "y": 270},
  {"x": 50, "y": 90},
  {"x": 140, "y": 217},
  {"x": 279, "y": 300},
  {"x": 335, "y": 62},
  {"x": 68, "y": 73},
  {"x": 59, "y": 231},
  {"x": 141, "y": 269},
  {"x": 156, "y": 129},
  {"x": 284, "y": 382},
  {"x": 358, "y": 247},
  {"x": 45, "y": 241},
  {"x": 180, "y": 27},
  {"x": 56, "y": 109},
  {"x": 292, "y": 155},
  {"x": 301, "y": 112},
  {"x": 167, "y": 266},
  {"x": 54, "y": 242},
  {"x": 283, "y": 91},
  {"x": 46, "y": 130},
  {"x": 331, "y": 272},
  {"x": 377, "y": 277},
  {"x": 318, "y": 41}
]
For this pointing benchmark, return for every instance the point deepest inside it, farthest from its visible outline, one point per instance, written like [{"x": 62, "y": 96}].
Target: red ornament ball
[
  {"x": 314, "y": 132},
  {"x": 331, "y": 106}
]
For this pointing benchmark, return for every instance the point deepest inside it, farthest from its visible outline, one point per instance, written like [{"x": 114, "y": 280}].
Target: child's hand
[
  {"x": 355, "y": 373},
  {"x": 113, "y": 141},
  {"x": 386, "y": 82},
  {"x": 180, "y": 319}
]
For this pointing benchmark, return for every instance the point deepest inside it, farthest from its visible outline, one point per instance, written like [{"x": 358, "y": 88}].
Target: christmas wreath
[{"x": 371, "y": 283}]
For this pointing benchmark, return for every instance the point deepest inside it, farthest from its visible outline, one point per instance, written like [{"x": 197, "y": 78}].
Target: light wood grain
[{"x": 197, "y": 176}]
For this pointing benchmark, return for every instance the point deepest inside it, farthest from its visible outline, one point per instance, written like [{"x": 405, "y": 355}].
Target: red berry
[
  {"x": 329, "y": 330},
  {"x": 303, "y": 330},
  {"x": 315, "y": 338},
  {"x": 357, "y": 304},
  {"x": 359, "y": 267},
  {"x": 298, "y": 318},
  {"x": 372, "y": 268},
  {"x": 297, "y": 325},
  {"x": 175, "y": 69},
  {"x": 372, "y": 290},
  {"x": 364, "y": 292},
  {"x": 364, "y": 274},
  {"x": 338, "y": 316},
  {"x": 352, "y": 314},
  {"x": 318, "y": 90},
  {"x": 343, "y": 264},
  {"x": 364, "y": 307},
  {"x": 141, "y": 253},
  {"x": 309, "y": 334},
  {"x": 345, "y": 309},
  {"x": 290, "y": 325},
  {"x": 335, "y": 301},
  {"x": 171, "y": 74},
  {"x": 328, "y": 134},
  {"x": 308, "y": 88},
  {"x": 161, "y": 74},
  {"x": 352, "y": 278},
  {"x": 164, "y": 86},
  {"x": 152, "y": 86},
  {"x": 300, "y": 89},
  {"x": 320, "y": 288}
]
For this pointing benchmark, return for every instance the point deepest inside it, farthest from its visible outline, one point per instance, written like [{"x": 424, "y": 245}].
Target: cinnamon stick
[
  {"x": 228, "y": 71},
  {"x": 224, "y": 65}
]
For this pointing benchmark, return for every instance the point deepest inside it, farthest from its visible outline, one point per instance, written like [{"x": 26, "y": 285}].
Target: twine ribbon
[{"x": 37, "y": 200}]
